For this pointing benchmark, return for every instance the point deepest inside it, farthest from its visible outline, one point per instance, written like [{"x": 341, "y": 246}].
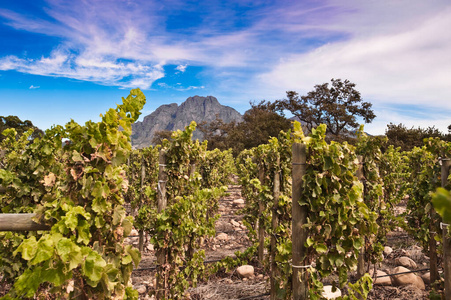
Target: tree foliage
[
  {"x": 259, "y": 124},
  {"x": 159, "y": 136},
  {"x": 337, "y": 106},
  {"x": 20, "y": 126},
  {"x": 408, "y": 138}
]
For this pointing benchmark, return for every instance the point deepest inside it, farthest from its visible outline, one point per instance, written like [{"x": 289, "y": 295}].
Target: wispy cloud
[
  {"x": 179, "y": 87},
  {"x": 99, "y": 70},
  {"x": 33, "y": 87},
  {"x": 396, "y": 51},
  {"x": 181, "y": 68}
]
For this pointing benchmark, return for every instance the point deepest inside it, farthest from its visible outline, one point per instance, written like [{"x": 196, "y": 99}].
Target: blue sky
[{"x": 63, "y": 60}]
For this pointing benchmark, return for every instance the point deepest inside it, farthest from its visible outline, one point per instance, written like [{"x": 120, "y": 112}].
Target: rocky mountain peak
[{"x": 173, "y": 117}]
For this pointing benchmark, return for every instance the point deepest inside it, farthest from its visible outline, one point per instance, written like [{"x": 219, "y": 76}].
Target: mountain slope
[{"x": 173, "y": 117}]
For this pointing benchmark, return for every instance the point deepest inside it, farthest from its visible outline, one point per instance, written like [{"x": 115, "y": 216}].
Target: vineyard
[{"x": 83, "y": 216}]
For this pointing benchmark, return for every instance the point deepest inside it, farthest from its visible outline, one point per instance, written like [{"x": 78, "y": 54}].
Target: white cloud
[
  {"x": 396, "y": 51},
  {"x": 95, "y": 69},
  {"x": 403, "y": 60},
  {"x": 181, "y": 68},
  {"x": 182, "y": 89},
  {"x": 179, "y": 87},
  {"x": 412, "y": 65},
  {"x": 32, "y": 87}
]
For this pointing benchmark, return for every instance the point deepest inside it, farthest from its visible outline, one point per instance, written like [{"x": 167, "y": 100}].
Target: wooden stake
[
  {"x": 433, "y": 249},
  {"x": 190, "y": 252},
  {"x": 261, "y": 228},
  {"x": 299, "y": 234},
  {"x": 162, "y": 279},
  {"x": 275, "y": 223},
  {"x": 20, "y": 222},
  {"x": 361, "y": 259},
  {"x": 143, "y": 176},
  {"x": 446, "y": 165}
]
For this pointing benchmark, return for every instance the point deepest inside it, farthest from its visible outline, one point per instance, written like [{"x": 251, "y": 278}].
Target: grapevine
[{"x": 83, "y": 255}]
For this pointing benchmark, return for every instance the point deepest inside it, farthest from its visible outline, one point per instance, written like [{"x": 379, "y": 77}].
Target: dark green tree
[
  {"x": 337, "y": 105},
  {"x": 159, "y": 136},
  {"x": 19, "y": 125},
  {"x": 408, "y": 138},
  {"x": 259, "y": 123}
]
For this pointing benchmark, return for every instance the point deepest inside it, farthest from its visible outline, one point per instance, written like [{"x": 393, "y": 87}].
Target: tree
[
  {"x": 217, "y": 133},
  {"x": 337, "y": 106},
  {"x": 159, "y": 136},
  {"x": 259, "y": 123},
  {"x": 401, "y": 136},
  {"x": 19, "y": 125}
]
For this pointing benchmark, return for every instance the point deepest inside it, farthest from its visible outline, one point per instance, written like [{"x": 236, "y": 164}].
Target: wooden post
[
  {"x": 20, "y": 222},
  {"x": 162, "y": 279},
  {"x": 275, "y": 223},
  {"x": 446, "y": 165},
  {"x": 433, "y": 248},
  {"x": 190, "y": 251},
  {"x": 192, "y": 169},
  {"x": 143, "y": 176},
  {"x": 2, "y": 188},
  {"x": 361, "y": 259},
  {"x": 261, "y": 228},
  {"x": 299, "y": 234}
]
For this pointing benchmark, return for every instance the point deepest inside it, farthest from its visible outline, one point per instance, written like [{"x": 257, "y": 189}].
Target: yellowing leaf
[{"x": 49, "y": 180}]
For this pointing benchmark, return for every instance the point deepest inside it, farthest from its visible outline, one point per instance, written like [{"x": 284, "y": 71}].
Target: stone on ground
[
  {"x": 328, "y": 294},
  {"x": 406, "y": 262},
  {"x": 407, "y": 279},
  {"x": 235, "y": 223},
  {"x": 387, "y": 250},
  {"x": 245, "y": 271},
  {"x": 426, "y": 277},
  {"x": 238, "y": 202},
  {"x": 141, "y": 289},
  {"x": 386, "y": 280},
  {"x": 222, "y": 237}
]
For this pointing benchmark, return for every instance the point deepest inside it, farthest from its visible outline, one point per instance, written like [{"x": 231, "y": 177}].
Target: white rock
[
  {"x": 238, "y": 202},
  {"x": 407, "y": 279},
  {"x": 426, "y": 277},
  {"x": 222, "y": 237},
  {"x": 150, "y": 247},
  {"x": 235, "y": 223},
  {"x": 387, "y": 250},
  {"x": 406, "y": 262},
  {"x": 245, "y": 271},
  {"x": 386, "y": 280},
  {"x": 134, "y": 232},
  {"x": 141, "y": 289},
  {"x": 328, "y": 294}
]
